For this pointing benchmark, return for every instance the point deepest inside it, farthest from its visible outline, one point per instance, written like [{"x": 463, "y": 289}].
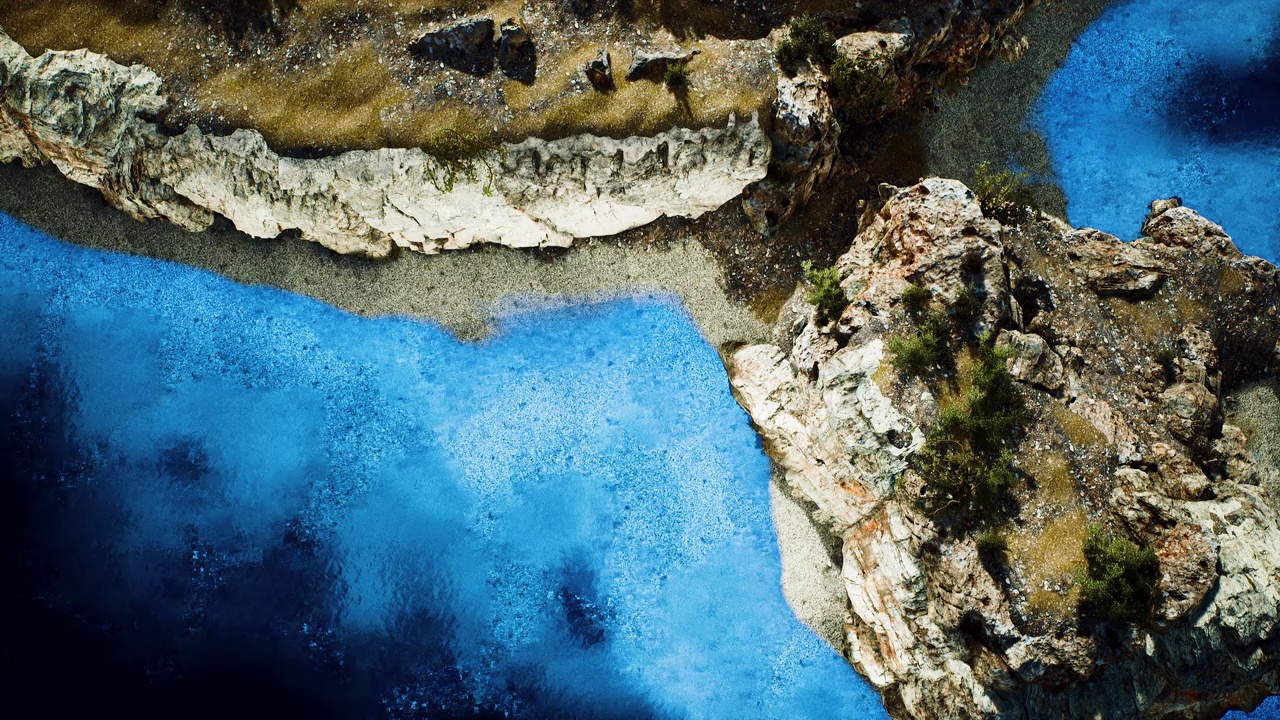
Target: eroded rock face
[
  {"x": 1124, "y": 379},
  {"x": 90, "y": 117}
]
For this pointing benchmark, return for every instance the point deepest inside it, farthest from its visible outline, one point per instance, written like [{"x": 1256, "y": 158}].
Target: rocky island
[{"x": 1038, "y": 466}]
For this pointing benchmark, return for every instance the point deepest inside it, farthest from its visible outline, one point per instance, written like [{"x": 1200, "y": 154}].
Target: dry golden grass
[
  {"x": 1057, "y": 485},
  {"x": 356, "y": 89},
  {"x": 1081, "y": 432},
  {"x": 1233, "y": 281},
  {"x": 333, "y": 85},
  {"x": 1052, "y": 554},
  {"x": 553, "y": 107}
]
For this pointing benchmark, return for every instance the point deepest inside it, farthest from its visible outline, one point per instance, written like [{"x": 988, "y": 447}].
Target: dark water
[
  {"x": 1162, "y": 98},
  {"x": 228, "y": 501}
]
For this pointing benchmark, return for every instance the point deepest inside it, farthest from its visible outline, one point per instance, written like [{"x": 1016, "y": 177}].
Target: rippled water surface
[
  {"x": 230, "y": 501},
  {"x": 1162, "y": 98}
]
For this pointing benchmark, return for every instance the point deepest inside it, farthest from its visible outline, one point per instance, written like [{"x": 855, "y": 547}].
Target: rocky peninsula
[{"x": 1126, "y": 360}]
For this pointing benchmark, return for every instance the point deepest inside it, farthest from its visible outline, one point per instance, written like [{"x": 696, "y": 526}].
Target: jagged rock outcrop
[
  {"x": 93, "y": 119},
  {"x": 1124, "y": 353},
  {"x": 806, "y": 146}
]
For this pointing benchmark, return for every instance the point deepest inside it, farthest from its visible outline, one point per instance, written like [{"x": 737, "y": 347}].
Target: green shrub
[
  {"x": 789, "y": 53},
  {"x": 967, "y": 308},
  {"x": 676, "y": 74},
  {"x": 1003, "y": 195},
  {"x": 995, "y": 406},
  {"x": 862, "y": 92},
  {"x": 826, "y": 292},
  {"x": 992, "y": 544},
  {"x": 460, "y": 153},
  {"x": 807, "y": 37},
  {"x": 915, "y": 354},
  {"x": 1119, "y": 579},
  {"x": 916, "y": 299},
  {"x": 965, "y": 462},
  {"x": 922, "y": 351}
]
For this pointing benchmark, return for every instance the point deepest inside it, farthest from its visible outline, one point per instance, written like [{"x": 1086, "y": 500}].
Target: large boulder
[{"x": 646, "y": 65}]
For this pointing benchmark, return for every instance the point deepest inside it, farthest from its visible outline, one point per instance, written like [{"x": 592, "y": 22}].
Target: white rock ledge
[{"x": 91, "y": 118}]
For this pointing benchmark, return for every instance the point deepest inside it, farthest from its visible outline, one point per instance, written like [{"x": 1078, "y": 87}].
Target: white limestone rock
[{"x": 90, "y": 117}]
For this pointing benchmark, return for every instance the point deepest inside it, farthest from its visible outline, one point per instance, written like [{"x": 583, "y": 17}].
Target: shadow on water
[
  {"x": 212, "y": 637},
  {"x": 1231, "y": 103}
]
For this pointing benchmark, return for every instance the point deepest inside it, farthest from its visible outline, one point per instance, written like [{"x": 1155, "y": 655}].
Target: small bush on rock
[
  {"x": 863, "y": 94},
  {"x": 826, "y": 293},
  {"x": 460, "y": 153},
  {"x": 916, "y": 299},
  {"x": 920, "y": 352},
  {"x": 1119, "y": 579},
  {"x": 807, "y": 38},
  {"x": 676, "y": 75},
  {"x": 967, "y": 308},
  {"x": 915, "y": 354},
  {"x": 992, "y": 544},
  {"x": 965, "y": 462},
  {"x": 1004, "y": 195}
]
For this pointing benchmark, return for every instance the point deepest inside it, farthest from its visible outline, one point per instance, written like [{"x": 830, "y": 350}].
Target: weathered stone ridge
[
  {"x": 1126, "y": 354},
  {"x": 93, "y": 119}
]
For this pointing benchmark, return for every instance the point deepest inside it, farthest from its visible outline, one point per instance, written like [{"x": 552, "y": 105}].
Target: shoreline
[
  {"x": 982, "y": 120},
  {"x": 713, "y": 264},
  {"x": 463, "y": 290}
]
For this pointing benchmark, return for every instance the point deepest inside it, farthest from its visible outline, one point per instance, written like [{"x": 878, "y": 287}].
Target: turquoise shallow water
[
  {"x": 1158, "y": 99},
  {"x": 246, "y": 501}
]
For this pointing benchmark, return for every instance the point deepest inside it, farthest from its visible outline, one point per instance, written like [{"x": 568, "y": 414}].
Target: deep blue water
[
  {"x": 1160, "y": 98},
  {"x": 230, "y": 501}
]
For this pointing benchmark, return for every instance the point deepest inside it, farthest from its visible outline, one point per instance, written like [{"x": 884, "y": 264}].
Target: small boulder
[
  {"x": 517, "y": 55},
  {"x": 653, "y": 66},
  {"x": 1115, "y": 269},
  {"x": 1032, "y": 360},
  {"x": 1191, "y": 413},
  {"x": 467, "y": 46},
  {"x": 1181, "y": 478},
  {"x": 1170, "y": 223},
  {"x": 600, "y": 72}
]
